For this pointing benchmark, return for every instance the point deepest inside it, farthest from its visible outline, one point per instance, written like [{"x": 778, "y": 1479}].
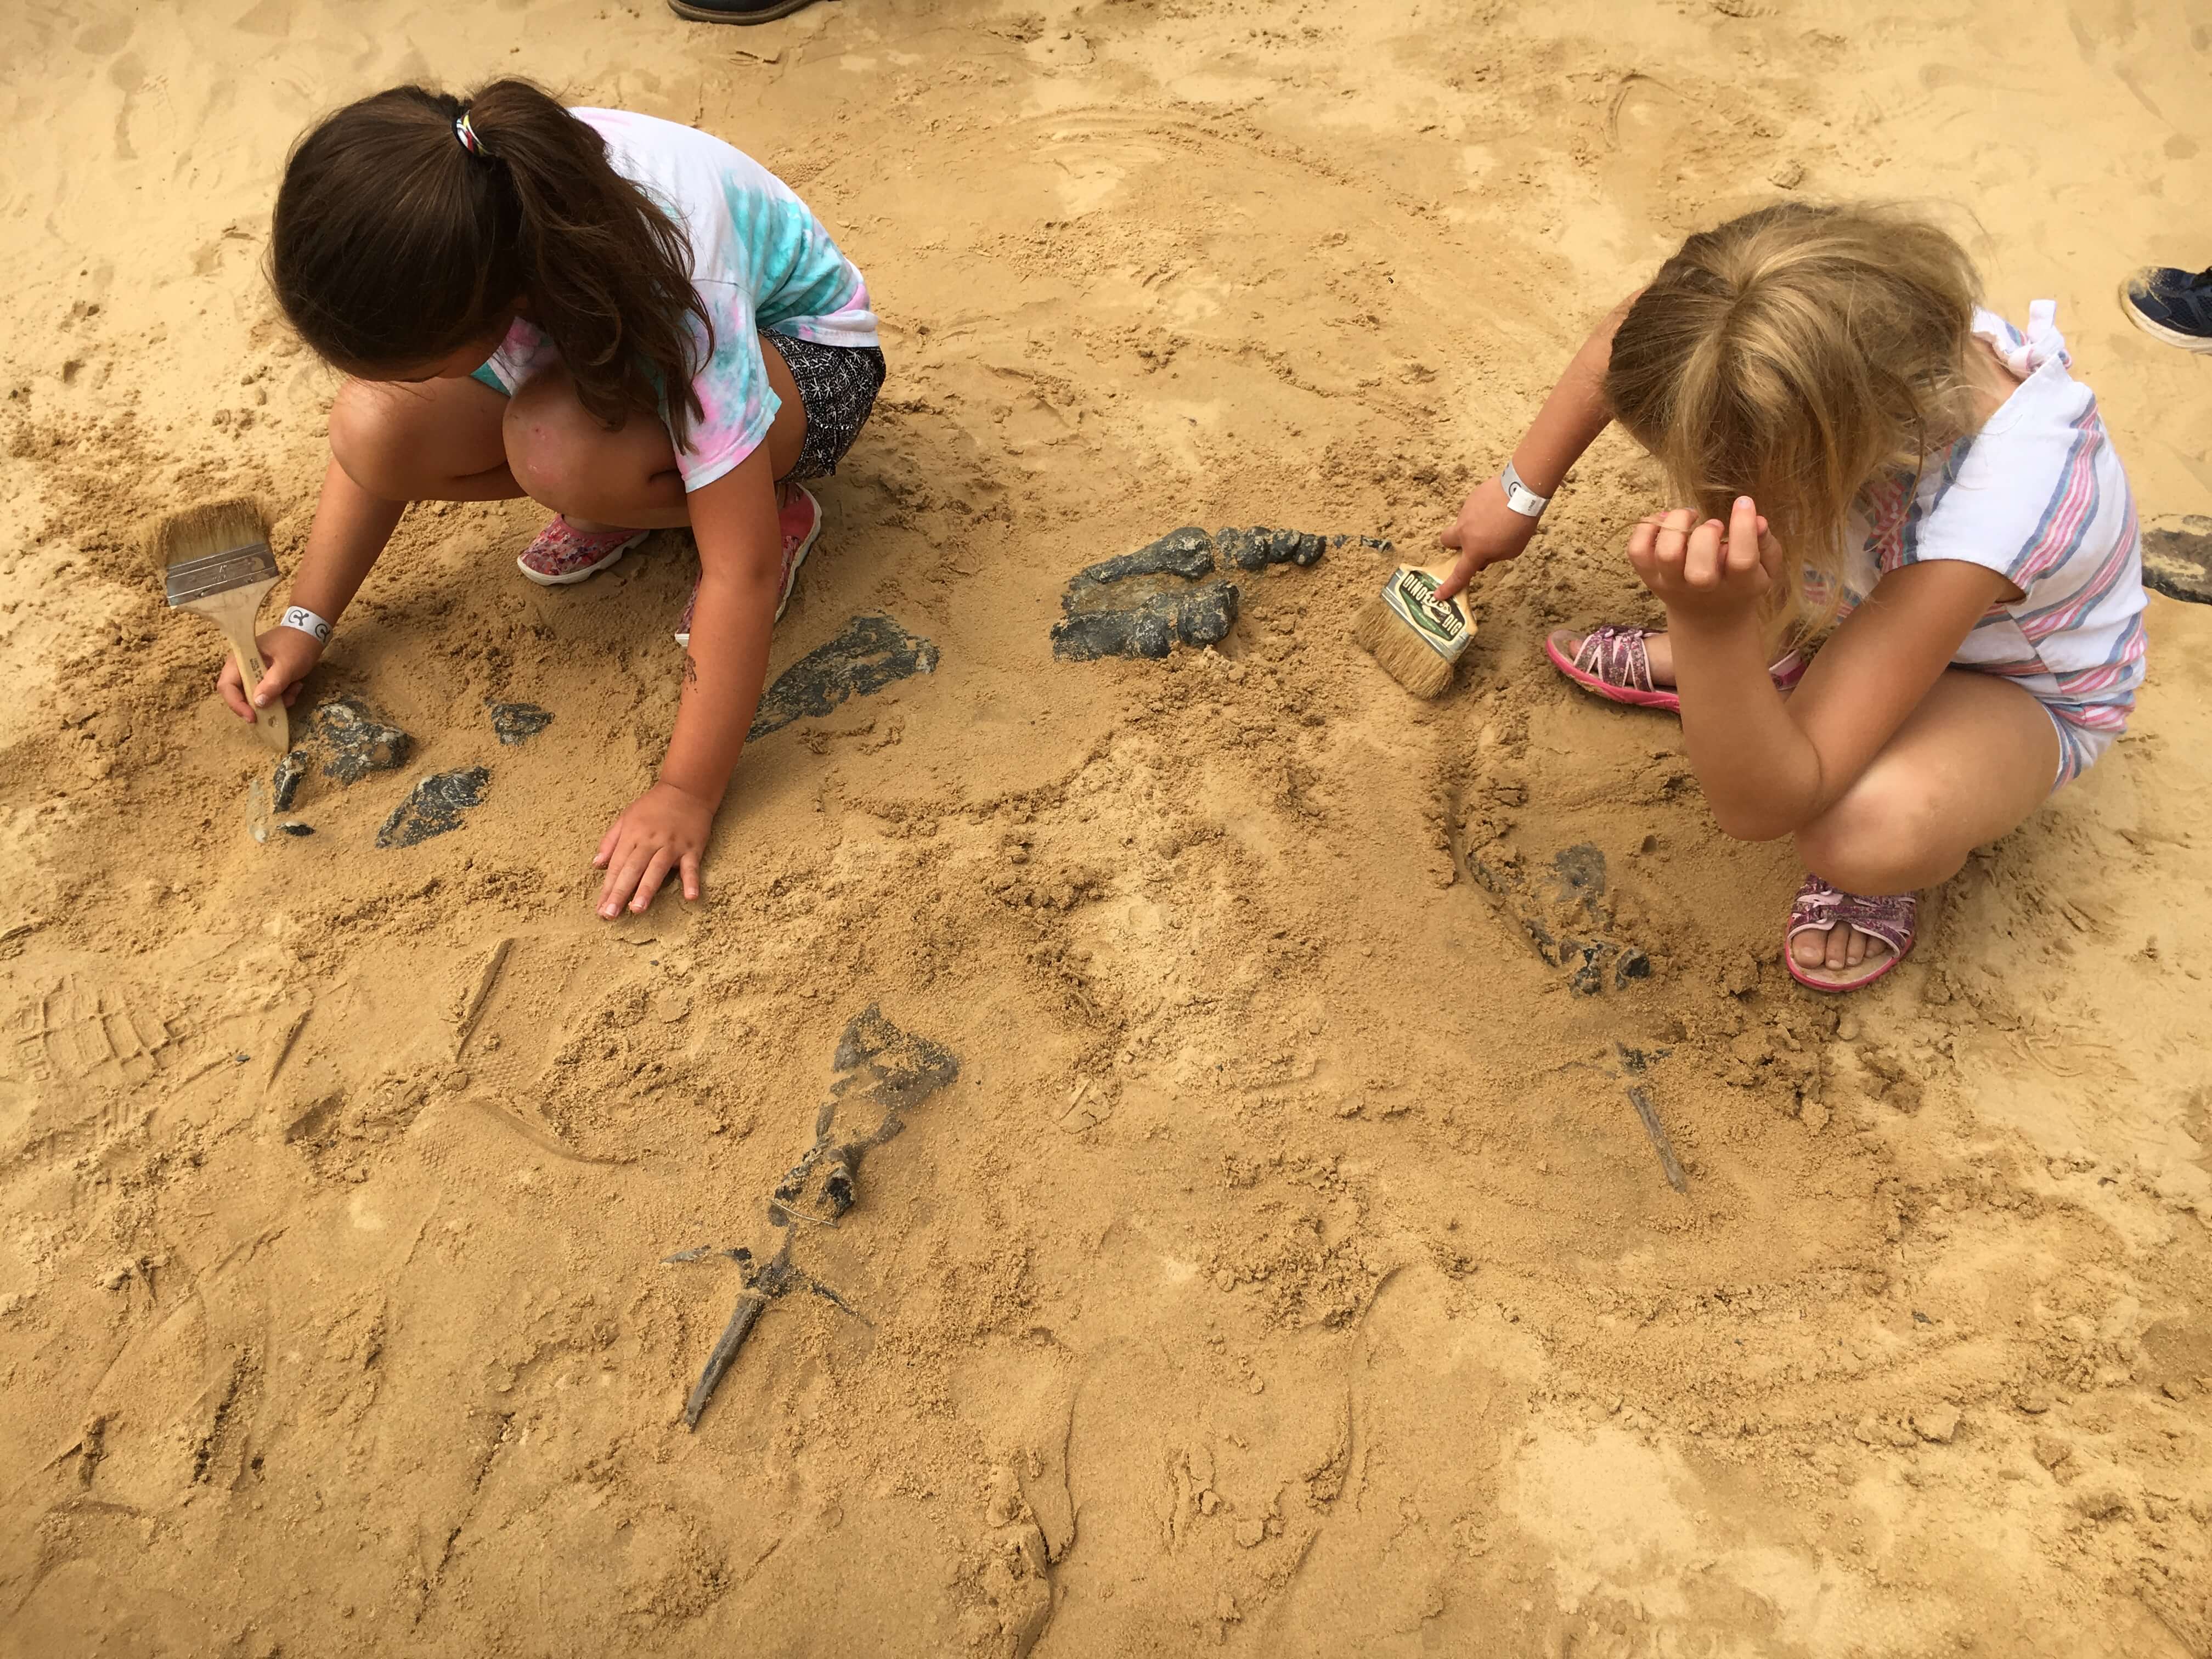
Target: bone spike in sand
[
  {"x": 215, "y": 559},
  {"x": 1416, "y": 638}
]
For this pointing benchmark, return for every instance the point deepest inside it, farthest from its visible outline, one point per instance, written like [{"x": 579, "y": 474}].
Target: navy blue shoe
[
  {"x": 2172, "y": 305},
  {"x": 735, "y": 11}
]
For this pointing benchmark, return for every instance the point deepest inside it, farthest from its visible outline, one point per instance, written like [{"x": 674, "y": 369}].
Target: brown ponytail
[{"x": 394, "y": 244}]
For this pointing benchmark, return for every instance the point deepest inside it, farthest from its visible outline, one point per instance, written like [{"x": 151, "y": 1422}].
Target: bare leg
[
  {"x": 1967, "y": 766},
  {"x": 392, "y": 444},
  {"x": 430, "y": 440},
  {"x": 560, "y": 454}
]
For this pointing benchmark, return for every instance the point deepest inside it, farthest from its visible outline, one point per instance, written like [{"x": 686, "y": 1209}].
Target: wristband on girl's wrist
[
  {"x": 307, "y": 623},
  {"x": 1519, "y": 497}
]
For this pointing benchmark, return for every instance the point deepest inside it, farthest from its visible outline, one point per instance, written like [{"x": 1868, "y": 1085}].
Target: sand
[{"x": 1287, "y": 1270}]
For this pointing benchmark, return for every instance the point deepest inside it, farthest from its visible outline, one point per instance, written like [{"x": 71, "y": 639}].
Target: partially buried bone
[{"x": 882, "y": 1073}]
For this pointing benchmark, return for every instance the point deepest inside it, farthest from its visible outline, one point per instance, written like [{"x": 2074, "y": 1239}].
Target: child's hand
[
  {"x": 663, "y": 829},
  {"x": 288, "y": 654},
  {"x": 1488, "y": 533},
  {"x": 1702, "y": 573}
]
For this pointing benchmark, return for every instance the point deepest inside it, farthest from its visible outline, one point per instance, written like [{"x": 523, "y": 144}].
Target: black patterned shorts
[{"x": 837, "y": 387}]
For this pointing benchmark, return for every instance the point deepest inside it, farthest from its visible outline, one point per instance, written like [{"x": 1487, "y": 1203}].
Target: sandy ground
[{"x": 1286, "y": 1269}]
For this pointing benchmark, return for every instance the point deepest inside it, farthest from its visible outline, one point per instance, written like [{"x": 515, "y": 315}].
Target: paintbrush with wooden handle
[{"x": 216, "y": 560}]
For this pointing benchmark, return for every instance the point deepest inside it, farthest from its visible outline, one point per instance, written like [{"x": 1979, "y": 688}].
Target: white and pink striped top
[{"x": 2038, "y": 495}]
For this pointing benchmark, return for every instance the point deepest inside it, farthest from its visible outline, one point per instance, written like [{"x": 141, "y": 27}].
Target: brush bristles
[
  {"x": 1405, "y": 656},
  {"x": 200, "y": 533}
]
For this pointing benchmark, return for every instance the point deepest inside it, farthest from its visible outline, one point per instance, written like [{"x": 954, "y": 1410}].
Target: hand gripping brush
[
  {"x": 1417, "y": 638},
  {"x": 216, "y": 560}
]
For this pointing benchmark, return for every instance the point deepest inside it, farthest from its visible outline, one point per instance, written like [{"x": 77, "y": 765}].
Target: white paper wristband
[
  {"x": 306, "y": 621},
  {"x": 1518, "y": 496}
]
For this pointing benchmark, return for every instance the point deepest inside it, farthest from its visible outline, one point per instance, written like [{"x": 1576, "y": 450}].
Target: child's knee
[
  {"x": 367, "y": 441},
  {"x": 550, "y": 442},
  {"x": 1874, "y": 840}
]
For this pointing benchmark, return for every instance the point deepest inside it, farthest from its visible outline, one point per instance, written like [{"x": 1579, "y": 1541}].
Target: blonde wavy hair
[{"x": 1797, "y": 356}]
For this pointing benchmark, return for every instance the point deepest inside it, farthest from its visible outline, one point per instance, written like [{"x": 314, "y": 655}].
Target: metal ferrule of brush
[{"x": 218, "y": 573}]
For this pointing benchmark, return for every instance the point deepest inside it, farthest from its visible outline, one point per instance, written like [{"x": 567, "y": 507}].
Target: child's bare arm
[
  {"x": 664, "y": 831},
  {"x": 350, "y": 531},
  {"x": 1569, "y": 423},
  {"x": 1770, "y": 767}
]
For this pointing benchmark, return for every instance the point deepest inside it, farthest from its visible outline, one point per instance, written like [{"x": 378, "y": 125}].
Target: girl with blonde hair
[{"x": 1857, "y": 442}]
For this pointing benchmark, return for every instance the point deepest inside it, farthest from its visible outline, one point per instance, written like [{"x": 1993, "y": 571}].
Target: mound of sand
[{"x": 1286, "y": 1267}]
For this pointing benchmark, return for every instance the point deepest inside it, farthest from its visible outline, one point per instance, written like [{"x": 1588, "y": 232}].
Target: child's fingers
[
  {"x": 1642, "y": 541},
  {"x": 691, "y": 871},
  {"x": 1705, "y": 561},
  {"x": 607, "y": 845},
  {"x": 626, "y": 868},
  {"x": 230, "y": 685},
  {"x": 1640, "y": 551},
  {"x": 1462, "y": 573},
  {"x": 1671, "y": 544},
  {"x": 1770, "y": 554},
  {"x": 655, "y": 873},
  {"x": 1743, "y": 538}
]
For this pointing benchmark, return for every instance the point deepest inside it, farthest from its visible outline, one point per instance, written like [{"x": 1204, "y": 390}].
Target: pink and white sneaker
[
  {"x": 801, "y": 519},
  {"x": 563, "y": 553}
]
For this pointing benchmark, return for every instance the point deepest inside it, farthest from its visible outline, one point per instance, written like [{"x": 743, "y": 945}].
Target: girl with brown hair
[
  {"x": 1854, "y": 437},
  {"x": 624, "y": 318}
]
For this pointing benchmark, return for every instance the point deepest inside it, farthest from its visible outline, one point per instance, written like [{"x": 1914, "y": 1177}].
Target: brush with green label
[{"x": 1417, "y": 638}]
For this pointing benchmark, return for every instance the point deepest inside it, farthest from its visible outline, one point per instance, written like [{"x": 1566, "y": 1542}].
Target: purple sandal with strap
[
  {"x": 1820, "y": 907},
  {"x": 1614, "y": 664}
]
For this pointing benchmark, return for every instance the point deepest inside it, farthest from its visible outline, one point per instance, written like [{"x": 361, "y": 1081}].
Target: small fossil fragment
[
  {"x": 872, "y": 653},
  {"x": 434, "y": 806},
  {"x": 518, "y": 722}
]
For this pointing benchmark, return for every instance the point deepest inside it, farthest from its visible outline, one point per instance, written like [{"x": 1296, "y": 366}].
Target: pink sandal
[
  {"x": 1820, "y": 907},
  {"x": 800, "y": 520},
  {"x": 1612, "y": 663},
  {"x": 563, "y": 553}
]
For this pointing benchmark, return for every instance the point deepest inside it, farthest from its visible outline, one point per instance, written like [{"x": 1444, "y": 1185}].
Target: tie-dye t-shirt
[{"x": 759, "y": 259}]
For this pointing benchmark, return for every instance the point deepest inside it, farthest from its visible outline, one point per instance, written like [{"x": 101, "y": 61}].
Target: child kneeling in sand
[
  {"x": 622, "y": 317},
  {"x": 1861, "y": 440}
]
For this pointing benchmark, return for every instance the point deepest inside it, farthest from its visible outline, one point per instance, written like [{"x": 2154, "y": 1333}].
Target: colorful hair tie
[{"x": 467, "y": 135}]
